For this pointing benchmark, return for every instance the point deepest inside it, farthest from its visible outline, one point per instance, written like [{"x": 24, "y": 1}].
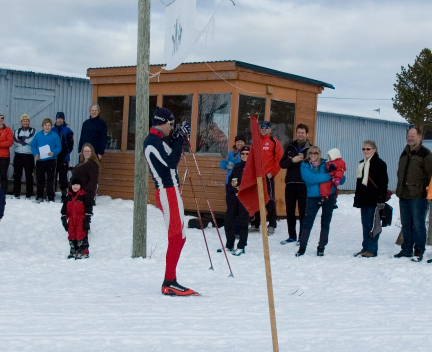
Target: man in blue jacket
[
  {"x": 94, "y": 131},
  {"x": 66, "y": 137},
  {"x": 45, "y": 162}
]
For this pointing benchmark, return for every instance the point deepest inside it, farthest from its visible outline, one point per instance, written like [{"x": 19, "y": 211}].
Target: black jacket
[
  {"x": 237, "y": 172},
  {"x": 94, "y": 131},
  {"x": 88, "y": 173},
  {"x": 293, "y": 174},
  {"x": 369, "y": 196}
]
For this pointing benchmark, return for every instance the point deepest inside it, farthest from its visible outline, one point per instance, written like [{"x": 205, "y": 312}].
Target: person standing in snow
[
  {"x": 371, "y": 192},
  {"x": 88, "y": 171},
  {"x": 414, "y": 174},
  {"x": 236, "y": 210},
  {"x": 94, "y": 131},
  {"x": 66, "y": 136},
  {"x": 295, "y": 187},
  {"x": 271, "y": 151},
  {"x": 162, "y": 160},
  {"x": 76, "y": 216},
  {"x": 6, "y": 141},
  {"x": 45, "y": 168},
  {"x": 313, "y": 172},
  {"x": 23, "y": 158}
]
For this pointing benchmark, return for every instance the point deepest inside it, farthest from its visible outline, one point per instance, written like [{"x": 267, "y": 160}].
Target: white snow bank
[{"x": 111, "y": 302}]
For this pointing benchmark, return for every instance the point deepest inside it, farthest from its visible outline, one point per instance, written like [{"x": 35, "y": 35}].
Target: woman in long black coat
[
  {"x": 88, "y": 170},
  {"x": 371, "y": 192}
]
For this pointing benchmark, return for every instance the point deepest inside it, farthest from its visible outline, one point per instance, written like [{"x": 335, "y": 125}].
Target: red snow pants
[{"x": 169, "y": 201}]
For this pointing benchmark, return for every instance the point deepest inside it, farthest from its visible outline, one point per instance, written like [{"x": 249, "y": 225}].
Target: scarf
[{"x": 363, "y": 171}]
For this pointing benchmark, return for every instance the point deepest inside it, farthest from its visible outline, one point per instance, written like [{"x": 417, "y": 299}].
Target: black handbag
[{"x": 386, "y": 215}]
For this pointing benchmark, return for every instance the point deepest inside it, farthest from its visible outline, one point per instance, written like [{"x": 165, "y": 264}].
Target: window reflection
[
  {"x": 132, "y": 118},
  {"x": 213, "y": 122},
  {"x": 112, "y": 113},
  {"x": 181, "y": 107},
  {"x": 282, "y": 121},
  {"x": 249, "y": 105}
]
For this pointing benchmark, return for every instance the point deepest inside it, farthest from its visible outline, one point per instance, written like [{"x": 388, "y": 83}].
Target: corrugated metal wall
[
  {"x": 42, "y": 96},
  {"x": 347, "y": 133}
]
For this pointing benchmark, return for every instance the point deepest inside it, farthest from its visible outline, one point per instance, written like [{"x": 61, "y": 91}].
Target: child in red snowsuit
[
  {"x": 76, "y": 212},
  {"x": 335, "y": 167}
]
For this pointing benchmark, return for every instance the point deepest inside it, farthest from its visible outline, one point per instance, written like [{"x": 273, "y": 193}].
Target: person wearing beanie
[
  {"x": 76, "y": 215},
  {"x": 23, "y": 159},
  {"x": 66, "y": 137},
  {"x": 235, "y": 209},
  {"x": 232, "y": 158},
  {"x": 6, "y": 141},
  {"x": 94, "y": 132},
  {"x": 295, "y": 187},
  {"x": 45, "y": 162},
  {"x": 162, "y": 159}
]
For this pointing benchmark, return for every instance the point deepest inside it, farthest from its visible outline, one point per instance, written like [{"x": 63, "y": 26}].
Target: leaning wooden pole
[{"x": 139, "y": 248}]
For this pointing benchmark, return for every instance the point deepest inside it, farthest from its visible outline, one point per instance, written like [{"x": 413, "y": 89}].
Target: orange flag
[{"x": 248, "y": 193}]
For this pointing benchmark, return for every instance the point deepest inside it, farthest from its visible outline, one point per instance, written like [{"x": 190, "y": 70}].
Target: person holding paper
[{"x": 45, "y": 147}]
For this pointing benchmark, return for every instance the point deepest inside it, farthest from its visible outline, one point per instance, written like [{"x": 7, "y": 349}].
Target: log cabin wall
[{"x": 117, "y": 173}]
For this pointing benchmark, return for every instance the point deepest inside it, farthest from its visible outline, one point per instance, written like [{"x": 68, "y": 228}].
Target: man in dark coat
[
  {"x": 94, "y": 131},
  {"x": 295, "y": 187},
  {"x": 63, "y": 158},
  {"x": 414, "y": 173}
]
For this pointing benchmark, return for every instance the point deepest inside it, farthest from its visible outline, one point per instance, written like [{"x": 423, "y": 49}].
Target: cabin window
[
  {"x": 132, "y": 118},
  {"x": 282, "y": 121},
  {"x": 213, "y": 122},
  {"x": 249, "y": 105},
  {"x": 181, "y": 107},
  {"x": 112, "y": 113}
]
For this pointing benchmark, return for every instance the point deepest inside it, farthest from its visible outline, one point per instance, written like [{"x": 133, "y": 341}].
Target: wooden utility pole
[
  {"x": 429, "y": 234},
  {"x": 139, "y": 248}
]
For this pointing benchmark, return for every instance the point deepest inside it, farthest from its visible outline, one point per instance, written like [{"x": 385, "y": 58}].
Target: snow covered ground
[{"x": 111, "y": 302}]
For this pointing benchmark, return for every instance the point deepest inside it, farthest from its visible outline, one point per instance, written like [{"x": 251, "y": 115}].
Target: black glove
[
  {"x": 65, "y": 223},
  {"x": 331, "y": 168},
  {"x": 86, "y": 224}
]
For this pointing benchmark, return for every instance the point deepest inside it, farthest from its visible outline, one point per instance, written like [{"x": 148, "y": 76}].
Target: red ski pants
[
  {"x": 75, "y": 228},
  {"x": 169, "y": 201}
]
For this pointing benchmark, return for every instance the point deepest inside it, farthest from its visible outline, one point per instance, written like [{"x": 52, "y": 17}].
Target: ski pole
[
  {"x": 183, "y": 181},
  {"x": 208, "y": 203},
  {"x": 198, "y": 211}
]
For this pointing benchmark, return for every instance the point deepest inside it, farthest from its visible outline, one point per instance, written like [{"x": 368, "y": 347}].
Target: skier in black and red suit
[{"x": 162, "y": 159}]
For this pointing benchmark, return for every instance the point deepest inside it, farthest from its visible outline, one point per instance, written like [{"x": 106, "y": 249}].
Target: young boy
[
  {"x": 76, "y": 212},
  {"x": 335, "y": 167}
]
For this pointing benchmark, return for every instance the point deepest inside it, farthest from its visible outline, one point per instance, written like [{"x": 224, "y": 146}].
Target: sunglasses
[
  {"x": 171, "y": 123},
  {"x": 313, "y": 153},
  {"x": 368, "y": 149},
  {"x": 247, "y": 153}
]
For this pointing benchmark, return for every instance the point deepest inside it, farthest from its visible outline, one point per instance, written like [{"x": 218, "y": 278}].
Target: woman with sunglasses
[
  {"x": 313, "y": 171},
  {"x": 371, "y": 192}
]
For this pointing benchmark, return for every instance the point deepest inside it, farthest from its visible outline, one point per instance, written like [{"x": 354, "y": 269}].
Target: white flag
[{"x": 180, "y": 32}]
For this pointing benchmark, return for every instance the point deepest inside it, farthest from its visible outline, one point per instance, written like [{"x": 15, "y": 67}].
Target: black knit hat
[
  {"x": 60, "y": 115},
  {"x": 161, "y": 116},
  {"x": 75, "y": 180},
  {"x": 245, "y": 149},
  {"x": 240, "y": 137}
]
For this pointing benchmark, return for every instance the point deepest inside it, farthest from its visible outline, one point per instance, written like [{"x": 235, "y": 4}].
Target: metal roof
[
  {"x": 42, "y": 71},
  {"x": 255, "y": 68}
]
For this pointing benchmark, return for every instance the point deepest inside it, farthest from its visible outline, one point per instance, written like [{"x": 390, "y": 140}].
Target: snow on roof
[
  {"x": 352, "y": 112},
  {"x": 39, "y": 70}
]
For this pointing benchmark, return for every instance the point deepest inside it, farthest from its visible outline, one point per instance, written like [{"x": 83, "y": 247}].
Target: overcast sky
[{"x": 357, "y": 46}]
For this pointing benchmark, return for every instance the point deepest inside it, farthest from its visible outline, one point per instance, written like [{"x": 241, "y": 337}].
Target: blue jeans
[
  {"x": 413, "y": 217},
  {"x": 312, "y": 206},
  {"x": 369, "y": 244}
]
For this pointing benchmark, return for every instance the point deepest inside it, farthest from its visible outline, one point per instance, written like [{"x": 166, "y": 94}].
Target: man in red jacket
[
  {"x": 271, "y": 152},
  {"x": 6, "y": 141}
]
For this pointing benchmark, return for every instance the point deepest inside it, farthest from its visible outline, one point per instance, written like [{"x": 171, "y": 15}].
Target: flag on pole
[
  {"x": 248, "y": 193},
  {"x": 180, "y": 32}
]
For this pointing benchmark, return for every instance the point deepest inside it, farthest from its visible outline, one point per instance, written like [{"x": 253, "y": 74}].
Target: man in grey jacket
[
  {"x": 414, "y": 173},
  {"x": 23, "y": 159}
]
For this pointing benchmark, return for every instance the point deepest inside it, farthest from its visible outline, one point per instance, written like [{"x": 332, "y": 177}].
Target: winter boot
[
  {"x": 358, "y": 253},
  {"x": 429, "y": 261},
  {"x": 301, "y": 251},
  {"x": 320, "y": 251},
  {"x": 73, "y": 249},
  {"x": 238, "y": 252},
  {"x": 402, "y": 254},
  {"x": 288, "y": 240},
  {"x": 418, "y": 255},
  {"x": 172, "y": 288}
]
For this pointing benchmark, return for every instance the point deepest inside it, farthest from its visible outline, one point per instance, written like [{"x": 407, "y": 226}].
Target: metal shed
[
  {"x": 347, "y": 133},
  {"x": 42, "y": 95}
]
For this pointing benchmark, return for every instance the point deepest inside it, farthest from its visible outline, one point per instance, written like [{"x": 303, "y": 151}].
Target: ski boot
[{"x": 172, "y": 288}]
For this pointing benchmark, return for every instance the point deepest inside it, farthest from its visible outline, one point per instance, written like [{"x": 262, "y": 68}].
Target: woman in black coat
[
  {"x": 88, "y": 170},
  {"x": 371, "y": 192}
]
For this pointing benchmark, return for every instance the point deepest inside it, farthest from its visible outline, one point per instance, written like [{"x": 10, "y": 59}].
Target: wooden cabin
[{"x": 216, "y": 99}]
